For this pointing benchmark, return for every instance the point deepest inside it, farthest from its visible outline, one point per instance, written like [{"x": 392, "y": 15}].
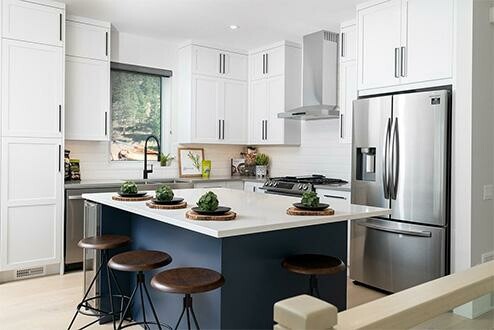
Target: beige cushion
[{"x": 305, "y": 312}]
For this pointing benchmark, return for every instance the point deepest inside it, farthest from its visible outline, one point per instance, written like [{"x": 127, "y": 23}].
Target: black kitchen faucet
[{"x": 146, "y": 171}]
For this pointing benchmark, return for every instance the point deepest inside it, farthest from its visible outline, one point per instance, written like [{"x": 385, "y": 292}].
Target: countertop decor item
[
  {"x": 75, "y": 170},
  {"x": 310, "y": 199},
  {"x": 175, "y": 200},
  {"x": 166, "y": 160},
  {"x": 318, "y": 207},
  {"x": 128, "y": 187},
  {"x": 131, "y": 199},
  {"x": 262, "y": 162},
  {"x": 190, "y": 162},
  {"x": 220, "y": 210},
  {"x": 208, "y": 202},
  {"x": 206, "y": 169},
  {"x": 164, "y": 193},
  {"x": 299, "y": 212},
  {"x": 153, "y": 204},
  {"x": 191, "y": 215}
]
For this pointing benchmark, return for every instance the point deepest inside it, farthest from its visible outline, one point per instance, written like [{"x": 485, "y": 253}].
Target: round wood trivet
[
  {"x": 296, "y": 211},
  {"x": 153, "y": 205},
  {"x": 225, "y": 217},
  {"x": 131, "y": 199}
]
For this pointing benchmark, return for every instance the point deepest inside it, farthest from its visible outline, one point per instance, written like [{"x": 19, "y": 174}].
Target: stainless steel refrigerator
[{"x": 401, "y": 160}]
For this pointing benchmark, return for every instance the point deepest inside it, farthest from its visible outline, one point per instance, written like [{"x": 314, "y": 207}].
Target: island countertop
[{"x": 256, "y": 213}]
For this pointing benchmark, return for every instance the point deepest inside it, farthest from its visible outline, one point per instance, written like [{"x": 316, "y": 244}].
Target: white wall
[
  {"x": 94, "y": 156},
  {"x": 320, "y": 153}
]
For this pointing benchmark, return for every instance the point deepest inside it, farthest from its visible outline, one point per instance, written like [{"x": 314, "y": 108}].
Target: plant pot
[{"x": 261, "y": 171}]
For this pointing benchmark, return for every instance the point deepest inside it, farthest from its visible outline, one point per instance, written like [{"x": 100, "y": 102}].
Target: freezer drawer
[{"x": 395, "y": 256}]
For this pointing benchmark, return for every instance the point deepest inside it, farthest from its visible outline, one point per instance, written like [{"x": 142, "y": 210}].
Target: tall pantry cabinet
[{"x": 32, "y": 130}]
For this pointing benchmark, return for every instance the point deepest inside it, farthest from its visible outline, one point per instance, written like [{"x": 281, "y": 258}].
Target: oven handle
[
  {"x": 279, "y": 193},
  {"x": 396, "y": 231}
]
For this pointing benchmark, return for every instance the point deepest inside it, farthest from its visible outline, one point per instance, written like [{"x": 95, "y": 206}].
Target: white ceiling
[{"x": 261, "y": 21}]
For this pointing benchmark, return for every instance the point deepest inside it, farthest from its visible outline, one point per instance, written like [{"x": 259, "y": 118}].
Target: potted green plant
[
  {"x": 262, "y": 162},
  {"x": 166, "y": 160},
  {"x": 128, "y": 188},
  {"x": 310, "y": 199},
  {"x": 208, "y": 202},
  {"x": 164, "y": 193}
]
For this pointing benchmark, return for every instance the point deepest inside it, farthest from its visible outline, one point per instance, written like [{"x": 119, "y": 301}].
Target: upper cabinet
[
  {"x": 32, "y": 22},
  {"x": 87, "y": 78},
  {"x": 404, "y": 42},
  {"x": 348, "y": 41},
  {"x": 275, "y": 86},
  {"x": 348, "y": 79},
  {"x": 212, "y": 96}
]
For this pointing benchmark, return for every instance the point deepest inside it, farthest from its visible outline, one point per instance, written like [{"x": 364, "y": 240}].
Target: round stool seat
[
  {"x": 187, "y": 280},
  {"x": 139, "y": 260},
  {"x": 313, "y": 264},
  {"x": 104, "y": 242}
]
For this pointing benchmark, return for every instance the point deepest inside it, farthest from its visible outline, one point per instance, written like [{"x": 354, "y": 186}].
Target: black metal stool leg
[
  {"x": 152, "y": 308},
  {"x": 180, "y": 318},
  {"x": 127, "y": 307},
  {"x": 140, "y": 283},
  {"x": 193, "y": 314},
  {"x": 110, "y": 292},
  {"x": 314, "y": 286}
]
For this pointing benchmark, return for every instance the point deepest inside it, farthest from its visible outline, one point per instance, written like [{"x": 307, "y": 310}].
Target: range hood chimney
[{"x": 320, "y": 78}]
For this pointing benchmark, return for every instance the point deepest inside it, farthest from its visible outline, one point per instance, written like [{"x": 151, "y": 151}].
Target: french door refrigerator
[{"x": 401, "y": 160}]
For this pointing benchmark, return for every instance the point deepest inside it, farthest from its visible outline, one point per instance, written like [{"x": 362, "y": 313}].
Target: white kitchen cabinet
[
  {"x": 404, "y": 42},
  {"x": 348, "y": 93},
  {"x": 31, "y": 202},
  {"x": 87, "y": 79},
  {"x": 218, "y": 63},
  {"x": 277, "y": 88},
  {"x": 87, "y": 38},
  {"x": 87, "y": 99},
  {"x": 28, "y": 21},
  {"x": 251, "y": 186},
  {"x": 213, "y": 106},
  {"x": 348, "y": 41},
  {"x": 32, "y": 89}
]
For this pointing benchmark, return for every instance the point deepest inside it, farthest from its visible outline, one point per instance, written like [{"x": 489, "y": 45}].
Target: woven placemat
[
  {"x": 225, "y": 217},
  {"x": 153, "y": 205},
  {"x": 131, "y": 199},
  {"x": 296, "y": 211}
]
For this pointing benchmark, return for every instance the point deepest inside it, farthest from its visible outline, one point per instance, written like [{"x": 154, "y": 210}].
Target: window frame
[{"x": 162, "y": 74}]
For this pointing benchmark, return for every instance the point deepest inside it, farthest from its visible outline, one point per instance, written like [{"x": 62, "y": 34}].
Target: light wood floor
[{"x": 48, "y": 303}]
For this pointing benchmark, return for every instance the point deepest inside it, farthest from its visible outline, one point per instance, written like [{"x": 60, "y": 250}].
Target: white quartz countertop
[{"x": 256, "y": 213}]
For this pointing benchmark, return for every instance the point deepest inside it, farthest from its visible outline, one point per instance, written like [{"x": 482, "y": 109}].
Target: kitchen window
[{"x": 137, "y": 102}]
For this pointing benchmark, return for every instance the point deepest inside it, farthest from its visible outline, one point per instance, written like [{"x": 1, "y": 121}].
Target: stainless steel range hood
[{"x": 320, "y": 78}]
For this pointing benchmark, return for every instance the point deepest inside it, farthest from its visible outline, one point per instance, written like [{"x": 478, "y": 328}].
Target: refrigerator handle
[
  {"x": 396, "y": 230},
  {"x": 385, "y": 171},
  {"x": 395, "y": 159}
]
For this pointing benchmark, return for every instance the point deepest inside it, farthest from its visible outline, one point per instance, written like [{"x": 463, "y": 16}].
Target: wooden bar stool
[
  {"x": 103, "y": 243},
  {"x": 313, "y": 265},
  {"x": 140, "y": 261},
  {"x": 186, "y": 281}
]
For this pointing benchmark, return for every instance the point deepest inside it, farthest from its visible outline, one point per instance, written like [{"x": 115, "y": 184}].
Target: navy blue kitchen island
[{"x": 248, "y": 252}]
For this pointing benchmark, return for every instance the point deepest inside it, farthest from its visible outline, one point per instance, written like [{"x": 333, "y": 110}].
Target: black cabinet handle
[
  {"x": 60, "y": 118},
  {"x": 60, "y": 22},
  {"x": 106, "y": 43},
  {"x": 59, "y": 158},
  {"x": 341, "y": 126},
  {"x": 263, "y": 65},
  {"x": 224, "y": 65},
  {"x": 223, "y": 129},
  {"x": 106, "y": 123},
  {"x": 342, "y": 44},
  {"x": 220, "y": 63},
  {"x": 267, "y": 63}
]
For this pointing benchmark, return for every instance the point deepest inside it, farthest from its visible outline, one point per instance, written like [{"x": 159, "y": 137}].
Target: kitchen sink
[{"x": 150, "y": 184}]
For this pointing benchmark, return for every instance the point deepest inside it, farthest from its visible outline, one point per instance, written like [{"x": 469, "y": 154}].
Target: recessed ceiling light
[{"x": 234, "y": 27}]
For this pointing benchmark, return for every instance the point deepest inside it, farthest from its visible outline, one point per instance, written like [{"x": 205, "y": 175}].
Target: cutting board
[
  {"x": 131, "y": 199},
  {"x": 296, "y": 211}
]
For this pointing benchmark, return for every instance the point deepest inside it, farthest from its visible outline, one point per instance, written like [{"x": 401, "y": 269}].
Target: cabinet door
[
  {"x": 428, "y": 40},
  {"x": 258, "y": 110},
  {"x": 257, "y": 66},
  {"x": 348, "y": 93},
  {"x": 86, "y": 40},
  {"x": 379, "y": 39},
  {"x": 235, "y": 111},
  {"x": 205, "y": 107},
  {"x": 87, "y": 99},
  {"x": 275, "y": 62},
  {"x": 348, "y": 43},
  {"x": 206, "y": 61},
  {"x": 31, "y": 202},
  {"x": 275, "y": 129},
  {"x": 235, "y": 66},
  {"x": 32, "y": 92},
  {"x": 28, "y": 21}
]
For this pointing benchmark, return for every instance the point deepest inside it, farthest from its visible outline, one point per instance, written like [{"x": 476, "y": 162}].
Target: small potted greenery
[
  {"x": 164, "y": 194},
  {"x": 128, "y": 188},
  {"x": 166, "y": 160},
  {"x": 208, "y": 202},
  {"x": 310, "y": 199},
  {"x": 262, "y": 162}
]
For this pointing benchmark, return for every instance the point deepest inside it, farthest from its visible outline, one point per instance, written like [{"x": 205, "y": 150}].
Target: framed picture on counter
[{"x": 190, "y": 162}]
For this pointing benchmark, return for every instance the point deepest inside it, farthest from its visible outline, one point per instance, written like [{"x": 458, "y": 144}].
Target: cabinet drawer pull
[{"x": 335, "y": 196}]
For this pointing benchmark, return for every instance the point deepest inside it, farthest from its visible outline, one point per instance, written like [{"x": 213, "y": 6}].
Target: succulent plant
[
  {"x": 262, "y": 160},
  {"x": 166, "y": 159},
  {"x": 310, "y": 199},
  {"x": 129, "y": 187},
  {"x": 164, "y": 193},
  {"x": 208, "y": 201}
]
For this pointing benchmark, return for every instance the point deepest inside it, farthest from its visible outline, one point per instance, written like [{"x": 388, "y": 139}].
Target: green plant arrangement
[
  {"x": 164, "y": 193},
  {"x": 310, "y": 199},
  {"x": 262, "y": 160},
  {"x": 195, "y": 160},
  {"x": 129, "y": 187},
  {"x": 208, "y": 202},
  {"x": 165, "y": 160}
]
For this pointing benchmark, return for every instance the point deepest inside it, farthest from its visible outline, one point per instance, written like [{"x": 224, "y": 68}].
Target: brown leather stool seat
[
  {"x": 313, "y": 265},
  {"x": 186, "y": 281},
  {"x": 103, "y": 243},
  {"x": 140, "y": 261}
]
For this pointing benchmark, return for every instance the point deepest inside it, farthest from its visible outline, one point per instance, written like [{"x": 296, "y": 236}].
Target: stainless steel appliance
[
  {"x": 297, "y": 185},
  {"x": 401, "y": 160}
]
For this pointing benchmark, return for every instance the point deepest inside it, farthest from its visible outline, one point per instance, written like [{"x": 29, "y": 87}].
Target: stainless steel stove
[{"x": 297, "y": 185}]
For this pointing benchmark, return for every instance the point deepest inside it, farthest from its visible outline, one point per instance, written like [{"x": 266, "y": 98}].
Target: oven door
[{"x": 394, "y": 256}]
